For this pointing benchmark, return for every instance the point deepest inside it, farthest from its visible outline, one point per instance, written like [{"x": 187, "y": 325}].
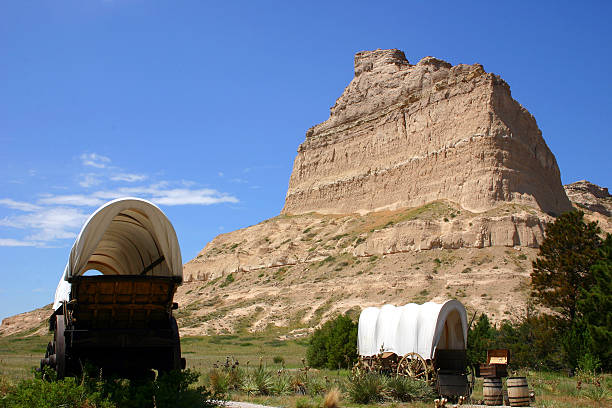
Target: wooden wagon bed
[
  {"x": 123, "y": 323},
  {"x": 124, "y": 301}
]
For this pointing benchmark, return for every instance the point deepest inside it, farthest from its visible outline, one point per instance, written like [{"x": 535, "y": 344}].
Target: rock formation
[
  {"x": 403, "y": 135},
  {"x": 590, "y": 196}
]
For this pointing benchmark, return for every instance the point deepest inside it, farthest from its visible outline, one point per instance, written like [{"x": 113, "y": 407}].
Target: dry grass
[{"x": 332, "y": 398}]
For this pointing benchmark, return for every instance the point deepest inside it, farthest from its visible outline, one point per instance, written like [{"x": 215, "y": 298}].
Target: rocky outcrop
[
  {"x": 403, "y": 135},
  {"x": 590, "y": 196},
  {"x": 32, "y": 323},
  {"x": 303, "y": 239}
]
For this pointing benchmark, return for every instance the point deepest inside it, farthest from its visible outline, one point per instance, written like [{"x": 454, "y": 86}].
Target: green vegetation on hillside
[
  {"x": 168, "y": 390},
  {"x": 333, "y": 345},
  {"x": 571, "y": 276}
]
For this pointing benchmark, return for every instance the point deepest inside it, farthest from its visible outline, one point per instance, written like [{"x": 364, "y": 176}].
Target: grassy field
[{"x": 19, "y": 355}]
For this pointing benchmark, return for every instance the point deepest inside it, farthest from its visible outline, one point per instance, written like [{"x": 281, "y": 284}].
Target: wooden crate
[{"x": 498, "y": 356}]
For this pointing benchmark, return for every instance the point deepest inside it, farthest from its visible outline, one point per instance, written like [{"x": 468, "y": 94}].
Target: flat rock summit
[{"x": 427, "y": 182}]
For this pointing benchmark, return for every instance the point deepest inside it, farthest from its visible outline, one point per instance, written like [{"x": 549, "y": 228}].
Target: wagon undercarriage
[{"x": 448, "y": 372}]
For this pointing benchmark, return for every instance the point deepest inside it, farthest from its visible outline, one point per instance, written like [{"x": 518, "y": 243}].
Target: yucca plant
[
  {"x": 281, "y": 384},
  {"x": 315, "y": 385},
  {"x": 367, "y": 388},
  {"x": 248, "y": 385},
  {"x": 263, "y": 379}
]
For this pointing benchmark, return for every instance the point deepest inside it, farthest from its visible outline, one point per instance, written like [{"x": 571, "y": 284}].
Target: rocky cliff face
[
  {"x": 403, "y": 135},
  {"x": 594, "y": 201},
  {"x": 591, "y": 197}
]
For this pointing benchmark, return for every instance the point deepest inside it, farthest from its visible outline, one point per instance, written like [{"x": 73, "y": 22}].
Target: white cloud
[
  {"x": 129, "y": 178},
  {"x": 18, "y": 205},
  {"x": 56, "y": 217},
  {"x": 9, "y": 242},
  {"x": 89, "y": 180},
  {"x": 48, "y": 224},
  {"x": 73, "y": 199},
  {"x": 181, "y": 196},
  {"x": 157, "y": 193},
  {"x": 95, "y": 160}
]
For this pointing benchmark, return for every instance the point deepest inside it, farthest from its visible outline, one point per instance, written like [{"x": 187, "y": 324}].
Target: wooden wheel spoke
[{"x": 414, "y": 366}]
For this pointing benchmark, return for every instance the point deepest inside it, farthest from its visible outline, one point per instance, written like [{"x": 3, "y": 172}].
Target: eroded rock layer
[{"x": 403, "y": 135}]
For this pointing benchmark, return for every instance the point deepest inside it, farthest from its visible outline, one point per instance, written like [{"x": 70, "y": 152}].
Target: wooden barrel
[
  {"x": 492, "y": 391},
  {"x": 518, "y": 392}
]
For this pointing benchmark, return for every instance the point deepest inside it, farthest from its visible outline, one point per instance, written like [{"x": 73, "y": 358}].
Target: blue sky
[{"x": 200, "y": 106}]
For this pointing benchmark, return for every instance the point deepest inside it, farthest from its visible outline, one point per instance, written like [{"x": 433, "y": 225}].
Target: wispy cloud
[
  {"x": 55, "y": 217},
  {"x": 9, "y": 242},
  {"x": 18, "y": 205},
  {"x": 181, "y": 196},
  {"x": 95, "y": 160},
  {"x": 239, "y": 180},
  {"x": 129, "y": 178},
  {"x": 89, "y": 180},
  {"x": 48, "y": 224},
  {"x": 72, "y": 199}
]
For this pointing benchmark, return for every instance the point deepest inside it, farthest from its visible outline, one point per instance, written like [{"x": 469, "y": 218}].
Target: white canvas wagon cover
[
  {"x": 123, "y": 237},
  {"x": 412, "y": 328}
]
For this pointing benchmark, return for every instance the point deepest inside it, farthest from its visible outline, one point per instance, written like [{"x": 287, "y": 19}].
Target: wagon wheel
[
  {"x": 414, "y": 366},
  {"x": 47, "y": 361},
  {"x": 59, "y": 346}
]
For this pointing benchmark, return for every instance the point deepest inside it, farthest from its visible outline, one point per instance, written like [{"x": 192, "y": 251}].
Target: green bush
[
  {"x": 334, "y": 345},
  {"x": 407, "y": 389},
  {"x": 368, "y": 388},
  {"x": 44, "y": 394},
  {"x": 263, "y": 379},
  {"x": 281, "y": 384},
  {"x": 278, "y": 360},
  {"x": 172, "y": 389},
  {"x": 533, "y": 342},
  {"x": 228, "y": 279}
]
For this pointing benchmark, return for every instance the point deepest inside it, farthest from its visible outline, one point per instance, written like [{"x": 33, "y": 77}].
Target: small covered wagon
[
  {"x": 426, "y": 342},
  {"x": 113, "y": 304}
]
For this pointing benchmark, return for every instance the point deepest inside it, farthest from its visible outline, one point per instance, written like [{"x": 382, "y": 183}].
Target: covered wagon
[
  {"x": 113, "y": 304},
  {"x": 425, "y": 342}
]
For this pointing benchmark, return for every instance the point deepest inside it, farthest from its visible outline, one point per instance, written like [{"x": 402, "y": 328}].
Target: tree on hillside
[
  {"x": 480, "y": 339},
  {"x": 595, "y": 307},
  {"x": 562, "y": 269},
  {"x": 334, "y": 344}
]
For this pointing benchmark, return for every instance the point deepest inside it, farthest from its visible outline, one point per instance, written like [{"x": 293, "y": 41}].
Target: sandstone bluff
[
  {"x": 403, "y": 135},
  {"x": 427, "y": 182}
]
